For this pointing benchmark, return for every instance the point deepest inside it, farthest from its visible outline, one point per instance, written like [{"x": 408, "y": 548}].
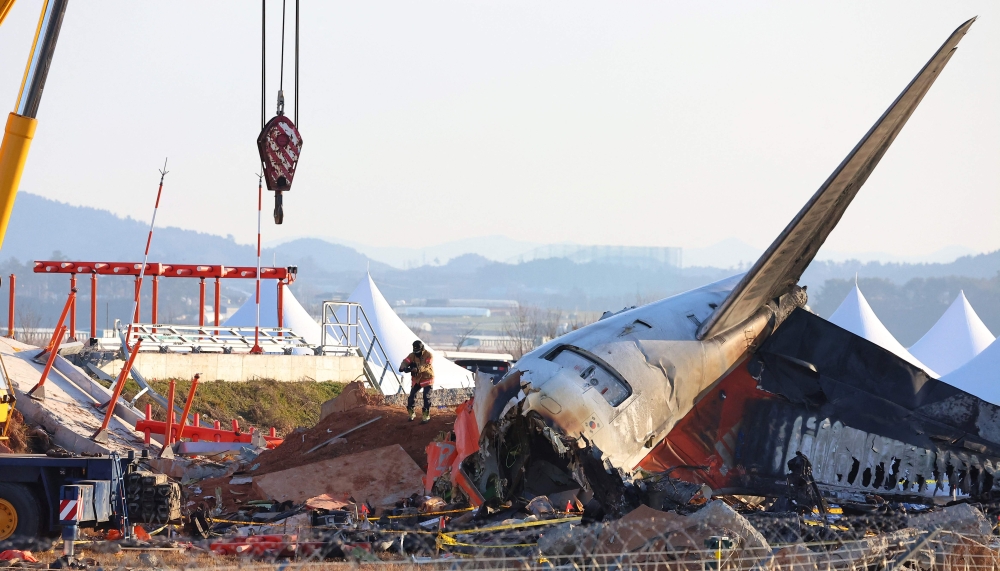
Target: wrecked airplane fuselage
[
  {"x": 603, "y": 396},
  {"x": 680, "y": 388}
]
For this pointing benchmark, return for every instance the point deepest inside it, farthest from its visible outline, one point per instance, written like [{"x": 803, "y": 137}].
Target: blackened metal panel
[{"x": 815, "y": 363}]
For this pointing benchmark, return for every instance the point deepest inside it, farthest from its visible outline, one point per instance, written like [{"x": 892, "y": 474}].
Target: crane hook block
[{"x": 280, "y": 145}]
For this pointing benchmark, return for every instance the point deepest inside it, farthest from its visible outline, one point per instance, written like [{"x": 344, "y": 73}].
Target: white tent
[
  {"x": 856, "y": 316},
  {"x": 295, "y": 317},
  {"x": 955, "y": 339},
  {"x": 980, "y": 376},
  {"x": 397, "y": 340}
]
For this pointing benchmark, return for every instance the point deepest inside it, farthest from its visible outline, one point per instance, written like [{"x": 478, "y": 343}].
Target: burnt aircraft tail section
[{"x": 781, "y": 266}]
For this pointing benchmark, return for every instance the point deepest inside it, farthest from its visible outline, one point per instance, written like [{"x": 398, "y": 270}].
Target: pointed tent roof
[
  {"x": 397, "y": 339},
  {"x": 955, "y": 339},
  {"x": 980, "y": 376},
  {"x": 294, "y": 316},
  {"x": 856, "y": 316}
]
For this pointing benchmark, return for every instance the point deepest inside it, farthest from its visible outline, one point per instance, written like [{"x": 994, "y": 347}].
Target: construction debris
[
  {"x": 68, "y": 414},
  {"x": 382, "y": 477},
  {"x": 352, "y": 396},
  {"x": 393, "y": 428}
]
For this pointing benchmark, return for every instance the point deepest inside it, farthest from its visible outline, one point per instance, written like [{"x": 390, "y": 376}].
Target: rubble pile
[
  {"x": 393, "y": 427},
  {"x": 357, "y": 486}
]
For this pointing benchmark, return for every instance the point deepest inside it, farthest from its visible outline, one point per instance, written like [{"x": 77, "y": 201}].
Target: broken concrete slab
[
  {"x": 205, "y": 448},
  {"x": 184, "y": 469},
  {"x": 67, "y": 414},
  {"x": 382, "y": 476},
  {"x": 960, "y": 518},
  {"x": 353, "y": 396},
  {"x": 98, "y": 391}
]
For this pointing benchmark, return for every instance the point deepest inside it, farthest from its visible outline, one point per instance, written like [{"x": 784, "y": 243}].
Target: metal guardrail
[
  {"x": 211, "y": 338},
  {"x": 346, "y": 325}
]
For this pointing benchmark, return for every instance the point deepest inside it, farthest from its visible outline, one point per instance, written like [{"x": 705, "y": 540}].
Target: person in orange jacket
[{"x": 420, "y": 365}]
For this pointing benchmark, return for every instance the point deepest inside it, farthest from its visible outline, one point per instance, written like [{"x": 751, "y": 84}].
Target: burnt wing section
[{"x": 869, "y": 421}]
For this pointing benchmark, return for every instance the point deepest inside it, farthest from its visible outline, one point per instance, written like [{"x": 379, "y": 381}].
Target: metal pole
[
  {"x": 102, "y": 433},
  {"x": 281, "y": 306},
  {"x": 37, "y": 70},
  {"x": 62, "y": 319},
  {"x": 156, "y": 301},
  {"x": 10, "y": 307},
  {"x": 149, "y": 240},
  {"x": 256, "y": 350},
  {"x": 135, "y": 310},
  {"x": 218, "y": 300},
  {"x": 38, "y": 392},
  {"x": 187, "y": 407},
  {"x": 93, "y": 305},
  {"x": 201, "y": 303},
  {"x": 72, "y": 309},
  {"x": 168, "y": 436}
]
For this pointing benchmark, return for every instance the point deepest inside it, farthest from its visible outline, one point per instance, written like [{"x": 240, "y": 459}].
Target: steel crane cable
[
  {"x": 281, "y": 69},
  {"x": 263, "y": 59},
  {"x": 281, "y": 72}
]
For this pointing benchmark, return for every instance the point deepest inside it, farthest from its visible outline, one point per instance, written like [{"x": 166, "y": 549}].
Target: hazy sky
[{"x": 638, "y": 123}]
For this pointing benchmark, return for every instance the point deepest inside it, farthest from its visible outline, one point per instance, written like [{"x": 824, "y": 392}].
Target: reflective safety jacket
[{"x": 422, "y": 372}]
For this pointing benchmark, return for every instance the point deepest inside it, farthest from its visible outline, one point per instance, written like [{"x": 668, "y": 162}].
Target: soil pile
[{"x": 393, "y": 428}]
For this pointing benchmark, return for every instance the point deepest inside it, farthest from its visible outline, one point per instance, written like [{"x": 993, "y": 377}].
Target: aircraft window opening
[{"x": 594, "y": 372}]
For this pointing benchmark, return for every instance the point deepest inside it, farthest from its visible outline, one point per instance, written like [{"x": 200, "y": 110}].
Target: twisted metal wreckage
[{"x": 727, "y": 385}]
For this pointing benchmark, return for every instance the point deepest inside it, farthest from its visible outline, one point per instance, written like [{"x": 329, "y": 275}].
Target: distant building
[
  {"x": 622, "y": 255},
  {"x": 424, "y": 311}
]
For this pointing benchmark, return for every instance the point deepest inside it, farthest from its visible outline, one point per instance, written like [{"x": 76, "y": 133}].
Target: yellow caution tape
[
  {"x": 445, "y": 541},
  {"x": 446, "y": 512},
  {"x": 446, "y": 538},
  {"x": 516, "y": 525}
]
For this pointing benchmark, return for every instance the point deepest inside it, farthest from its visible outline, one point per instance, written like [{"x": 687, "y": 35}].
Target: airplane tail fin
[{"x": 781, "y": 266}]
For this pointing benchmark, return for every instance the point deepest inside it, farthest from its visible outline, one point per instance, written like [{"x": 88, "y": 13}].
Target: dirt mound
[{"x": 393, "y": 428}]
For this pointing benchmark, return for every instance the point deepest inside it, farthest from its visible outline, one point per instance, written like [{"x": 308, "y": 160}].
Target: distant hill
[
  {"x": 976, "y": 266},
  {"x": 910, "y": 309},
  {"x": 40, "y": 226},
  {"x": 908, "y": 297}
]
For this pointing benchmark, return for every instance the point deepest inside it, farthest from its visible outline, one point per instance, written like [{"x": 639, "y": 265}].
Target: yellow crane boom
[{"x": 18, "y": 133}]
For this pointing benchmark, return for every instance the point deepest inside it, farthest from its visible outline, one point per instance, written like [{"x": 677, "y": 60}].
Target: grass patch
[{"x": 261, "y": 403}]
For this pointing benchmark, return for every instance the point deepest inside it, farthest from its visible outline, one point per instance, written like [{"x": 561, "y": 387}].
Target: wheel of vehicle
[{"x": 19, "y": 514}]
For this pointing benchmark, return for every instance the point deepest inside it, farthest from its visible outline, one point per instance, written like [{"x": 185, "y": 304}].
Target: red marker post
[
  {"x": 256, "y": 350},
  {"x": 149, "y": 240}
]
